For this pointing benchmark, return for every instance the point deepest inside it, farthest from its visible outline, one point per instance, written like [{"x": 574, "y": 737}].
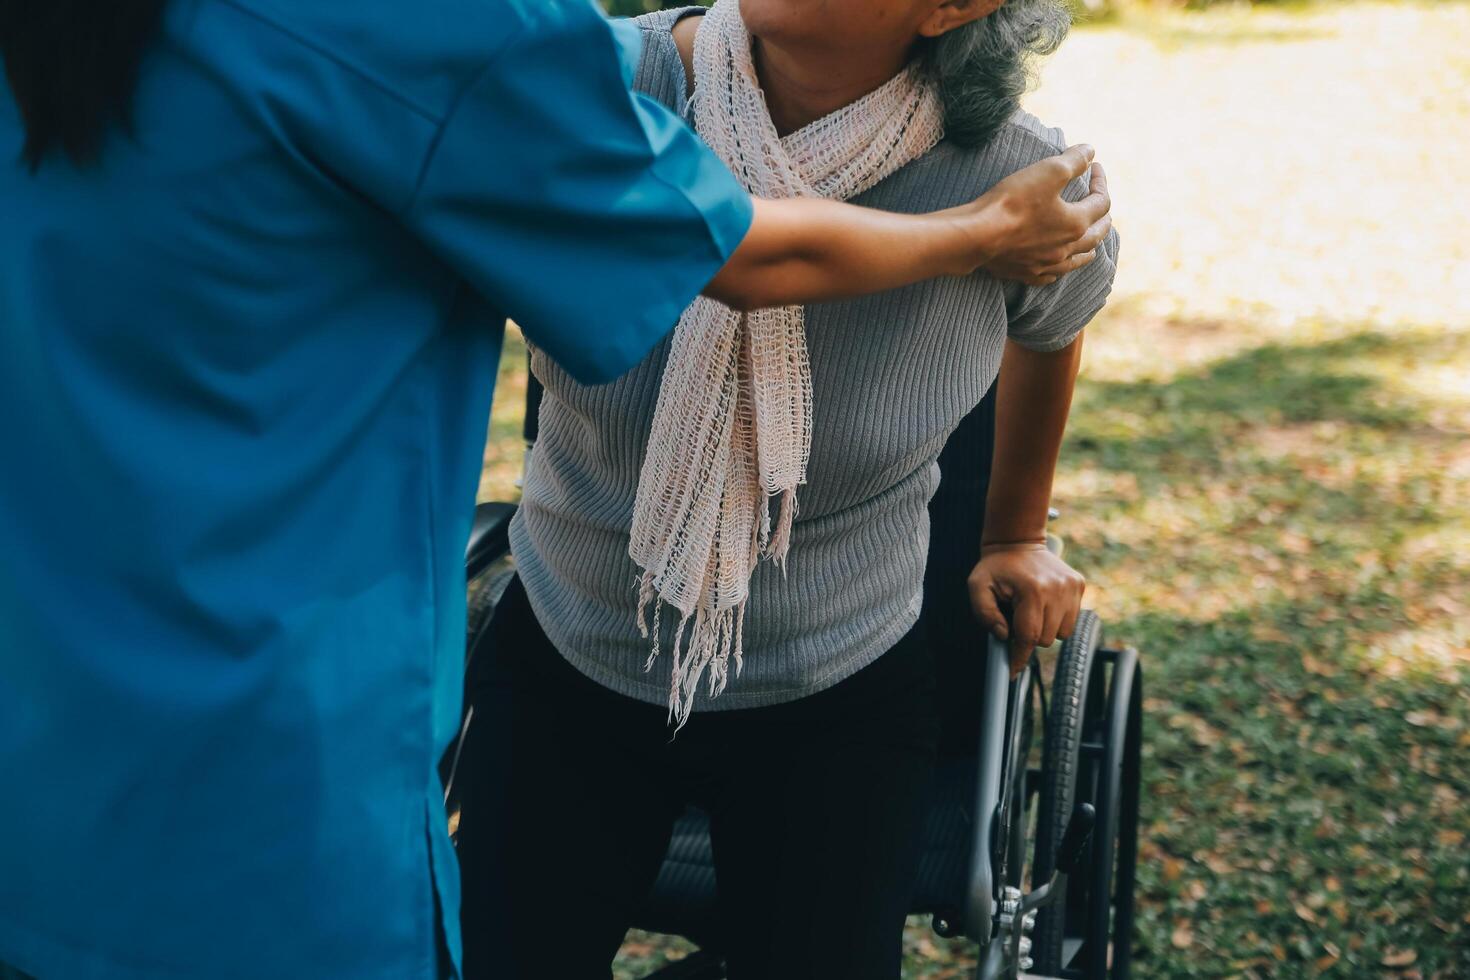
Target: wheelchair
[{"x": 1031, "y": 830}]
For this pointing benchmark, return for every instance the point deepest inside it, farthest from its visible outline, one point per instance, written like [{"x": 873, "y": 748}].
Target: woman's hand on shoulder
[
  {"x": 1042, "y": 237},
  {"x": 1042, "y": 593}
]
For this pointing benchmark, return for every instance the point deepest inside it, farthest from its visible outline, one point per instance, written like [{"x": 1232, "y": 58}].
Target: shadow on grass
[
  {"x": 1274, "y": 384},
  {"x": 1276, "y": 532}
]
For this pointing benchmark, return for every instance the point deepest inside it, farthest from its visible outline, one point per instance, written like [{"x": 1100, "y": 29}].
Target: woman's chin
[{"x": 774, "y": 20}]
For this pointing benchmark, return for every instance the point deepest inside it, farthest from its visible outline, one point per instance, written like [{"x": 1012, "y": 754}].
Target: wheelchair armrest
[{"x": 489, "y": 537}]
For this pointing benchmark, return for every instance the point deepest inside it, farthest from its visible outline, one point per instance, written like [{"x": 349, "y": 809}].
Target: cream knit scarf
[{"x": 733, "y": 424}]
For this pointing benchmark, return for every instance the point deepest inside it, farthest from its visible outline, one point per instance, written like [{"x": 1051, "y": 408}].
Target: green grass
[
  {"x": 505, "y": 449},
  {"x": 1283, "y": 533}
]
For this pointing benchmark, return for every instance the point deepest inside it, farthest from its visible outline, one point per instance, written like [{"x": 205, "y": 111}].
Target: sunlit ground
[{"x": 1267, "y": 480}]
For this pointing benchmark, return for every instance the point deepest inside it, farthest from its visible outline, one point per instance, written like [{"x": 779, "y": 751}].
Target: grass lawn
[{"x": 1267, "y": 481}]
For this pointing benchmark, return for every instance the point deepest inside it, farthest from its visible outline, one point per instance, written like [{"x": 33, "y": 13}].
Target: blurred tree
[
  {"x": 632, "y": 8},
  {"x": 1086, "y": 9}
]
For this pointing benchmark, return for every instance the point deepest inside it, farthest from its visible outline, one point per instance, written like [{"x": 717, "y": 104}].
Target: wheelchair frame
[{"x": 1000, "y": 915}]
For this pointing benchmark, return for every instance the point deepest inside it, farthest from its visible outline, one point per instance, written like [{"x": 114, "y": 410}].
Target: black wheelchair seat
[
  {"x": 683, "y": 899},
  {"x": 489, "y": 537}
]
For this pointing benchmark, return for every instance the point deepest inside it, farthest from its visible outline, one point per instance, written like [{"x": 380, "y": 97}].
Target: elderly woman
[{"x": 721, "y": 555}]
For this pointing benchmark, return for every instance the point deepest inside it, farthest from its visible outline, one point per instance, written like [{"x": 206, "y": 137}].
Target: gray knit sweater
[{"x": 892, "y": 376}]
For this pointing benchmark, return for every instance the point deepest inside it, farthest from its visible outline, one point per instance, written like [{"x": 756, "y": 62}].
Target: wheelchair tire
[{"x": 1070, "y": 691}]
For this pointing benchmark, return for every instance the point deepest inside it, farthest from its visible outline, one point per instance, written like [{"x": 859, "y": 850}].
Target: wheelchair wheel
[{"x": 1091, "y": 756}]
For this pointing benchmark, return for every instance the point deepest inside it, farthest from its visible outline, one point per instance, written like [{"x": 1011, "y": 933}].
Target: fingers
[
  {"x": 1096, "y": 235},
  {"x": 986, "y": 605},
  {"x": 1042, "y": 617},
  {"x": 1075, "y": 159},
  {"x": 1097, "y": 202},
  {"x": 1069, "y": 618},
  {"x": 1054, "y": 272},
  {"x": 1051, "y": 621},
  {"x": 1026, "y": 626},
  {"x": 1071, "y": 605},
  {"x": 1042, "y": 594},
  {"x": 1020, "y": 657},
  {"x": 1080, "y": 253}
]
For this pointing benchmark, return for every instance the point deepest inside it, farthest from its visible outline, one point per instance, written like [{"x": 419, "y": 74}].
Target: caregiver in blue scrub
[{"x": 255, "y": 259}]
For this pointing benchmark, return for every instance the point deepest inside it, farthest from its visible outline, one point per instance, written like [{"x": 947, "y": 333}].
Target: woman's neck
[{"x": 801, "y": 85}]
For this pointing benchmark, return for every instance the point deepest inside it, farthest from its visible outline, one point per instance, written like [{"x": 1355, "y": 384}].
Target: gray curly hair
[{"x": 982, "y": 69}]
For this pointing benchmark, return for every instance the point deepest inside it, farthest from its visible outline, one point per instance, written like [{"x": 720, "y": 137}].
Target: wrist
[
  {"x": 981, "y": 233},
  {"x": 990, "y": 546}
]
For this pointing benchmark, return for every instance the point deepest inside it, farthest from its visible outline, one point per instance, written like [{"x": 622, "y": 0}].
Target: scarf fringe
[
  {"x": 714, "y": 640},
  {"x": 779, "y": 544}
]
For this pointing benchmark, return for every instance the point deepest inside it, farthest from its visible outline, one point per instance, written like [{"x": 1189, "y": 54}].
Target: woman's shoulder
[
  {"x": 1030, "y": 138},
  {"x": 664, "y": 21},
  {"x": 953, "y": 173},
  {"x": 662, "y": 70},
  {"x": 1019, "y": 142}
]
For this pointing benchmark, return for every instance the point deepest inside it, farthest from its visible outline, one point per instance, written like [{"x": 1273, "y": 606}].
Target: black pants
[{"x": 572, "y": 791}]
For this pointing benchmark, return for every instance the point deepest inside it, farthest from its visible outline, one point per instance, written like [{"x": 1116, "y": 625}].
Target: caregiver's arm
[
  {"x": 805, "y": 250},
  {"x": 1043, "y": 594}
]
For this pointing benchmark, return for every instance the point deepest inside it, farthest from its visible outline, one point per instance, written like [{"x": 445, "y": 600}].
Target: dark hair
[
  {"x": 73, "y": 66},
  {"x": 982, "y": 69}
]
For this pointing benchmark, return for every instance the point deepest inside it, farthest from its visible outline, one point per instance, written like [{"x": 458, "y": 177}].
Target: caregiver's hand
[
  {"x": 805, "y": 250},
  {"x": 1042, "y": 593},
  {"x": 1047, "y": 237}
]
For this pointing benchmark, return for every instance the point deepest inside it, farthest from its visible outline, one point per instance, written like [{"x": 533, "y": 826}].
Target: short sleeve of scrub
[{"x": 590, "y": 214}]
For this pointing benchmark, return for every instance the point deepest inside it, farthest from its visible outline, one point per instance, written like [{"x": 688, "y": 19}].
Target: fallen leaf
[
  {"x": 1217, "y": 864},
  {"x": 1314, "y": 666},
  {"x": 1399, "y": 957}
]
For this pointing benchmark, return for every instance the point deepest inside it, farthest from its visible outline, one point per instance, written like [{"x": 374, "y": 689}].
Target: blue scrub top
[{"x": 245, "y": 374}]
